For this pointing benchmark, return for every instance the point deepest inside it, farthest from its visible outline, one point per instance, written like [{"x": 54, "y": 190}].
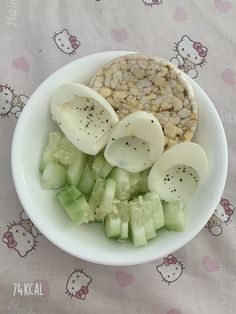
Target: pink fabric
[{"x": 39, "y": 37}]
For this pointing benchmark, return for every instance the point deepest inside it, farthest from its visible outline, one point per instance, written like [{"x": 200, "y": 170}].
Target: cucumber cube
[
  {"x": 98, "y": 163},
  {"x": 78, "y": 210},
  {"x": 87, "y": 181},
  {"x": 137, "y": 229},
  {"x": 54, "y": 139},
  {"x": 96, "y": 194},
  {"x": 106, "y": 169},
  {"x": 53, "y": 176},
  {"x": 112, "y": 227},
  {"x": 157, "y": 209},
  {"x": 124, "y": 232},
  {"x": 73, "y": 192},
  {"x": 121, "y": 177},
  {"x": 149, "y": 224},
  {"x": 174, "y": 215}
]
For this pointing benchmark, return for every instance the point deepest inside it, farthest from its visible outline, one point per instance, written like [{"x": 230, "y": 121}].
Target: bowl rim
[{"x": 18, "y": 175}]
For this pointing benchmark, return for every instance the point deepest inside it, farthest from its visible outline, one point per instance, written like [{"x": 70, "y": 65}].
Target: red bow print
[
  {"x": 83, "y": 290},
  {"x": 170, "y": 260},
  {"x": 227, "y": 206},
  {"x": 73, "y": 42},
  {"x": 202, "y": 51},
  {"x": 11, "y": 242}
]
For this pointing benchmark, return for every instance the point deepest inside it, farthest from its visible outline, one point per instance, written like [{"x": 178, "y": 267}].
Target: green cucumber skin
[
  {"x": 96, "y": 194},
  {"x": 121, "y": 177},
  {"x": 99, "y": 162},
  {"x": 107, "y": 197},
  {"x": 106, "y": 170},
  {"x": 124, "y": 233},
  {"x": 137, "y": 229},
  {"x": 157, "y": 209},
  {"x": 112, "y": 227},
  {"x": 73, "y": 192},
  {"x": 174, "y": 215},
  {"x": 149, "y": 224},
  {"x": 53, "y": 140},
  {"x": 75, "y": 171},
  {"x": 64, "y": 197},
  {"x": 87, "y": 181},
  {"x": 78, "y": 209}
]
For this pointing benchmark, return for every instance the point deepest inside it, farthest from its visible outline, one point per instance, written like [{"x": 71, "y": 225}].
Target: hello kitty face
[
  {"x": 221, "y": 216},
  {"x": 66, "y": 42},
  {"x": 225, "y": 211},
  {"x": 151, "y": 2},
  {"x": 170, "y": 270},
  {"x": 77, "y": 284},
  {"x": 6, "y": 97},
  {"x": 21, "y": 236},
  {"x": 192, "y": 51},
  {"x": 214, "y": 221}
]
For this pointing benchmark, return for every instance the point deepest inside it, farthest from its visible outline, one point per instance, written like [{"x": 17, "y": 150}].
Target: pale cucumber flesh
[
  {"x": 53, "y": 176},
  {"x": 174, "y": 215}
]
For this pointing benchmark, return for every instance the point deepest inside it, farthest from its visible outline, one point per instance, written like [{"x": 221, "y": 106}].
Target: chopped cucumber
[
  {"x": 137, "y": 229},
  {"x": 54, "y": 139},
  {"x": 124, "y": 231},
  {"x": 123, "y": 209},
  {"x": 149, "y": 224},
  {"x": 134, "y": 180},
  {"x": 98, "y": 163},
  {"x": 78, "y": 209},
  {"x": 112, "y": 226},
  {"x": 174, "y": 215},
  {"x": 121, "y": 177},
  {"x": 106, "y": 169},
  {"x": 107, "y": 199},
  {"x": 73, "y": 192},
  {"x": 90, "y": 161},
  {"x": 96, "y": 194},
  {"x": 64, "y": 197},
  {"x": 87, "y": 181},
  {"x": 53, "y": 176},
  {"x": 75, "y": 170},
  {"x": 65, "y": 152},
  {"x": 97, "y": 191},
  {"x": 143, "y": 182},
  {"x": 157, "y": 209}
]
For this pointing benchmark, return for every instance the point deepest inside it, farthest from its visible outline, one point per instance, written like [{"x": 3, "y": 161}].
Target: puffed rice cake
[{"x": 139, "y": 82}]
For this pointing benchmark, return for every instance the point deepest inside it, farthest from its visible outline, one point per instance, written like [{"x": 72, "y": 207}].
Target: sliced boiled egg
[
  {"x": 84, "y": 116},
  {"x": 136, "y": 142},
  {"x": 178, "y": 172}
]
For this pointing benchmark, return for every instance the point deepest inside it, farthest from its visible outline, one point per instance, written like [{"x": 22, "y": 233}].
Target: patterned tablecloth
[{"x": 37, "y": 38}]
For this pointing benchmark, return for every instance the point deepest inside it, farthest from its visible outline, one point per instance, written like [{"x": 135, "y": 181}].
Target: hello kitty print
[
  {"x": 221, "y": 217},
  {"x": 170, "y": 269},
  {"x": 151, "y": 3},
  {"x": 190, "y": 56},
  {"x": 21, "y": 236},
  {"x": 66, "y": 42},
  {"x": 10, "y": 103},
  {"x": 77, "y": 284}
]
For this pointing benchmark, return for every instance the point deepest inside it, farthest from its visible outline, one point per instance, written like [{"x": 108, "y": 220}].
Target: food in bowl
[
  {"x": 138, "y": 82},
  {"x": 131, "y": 186},
  {"x": 87, "y": 241}
]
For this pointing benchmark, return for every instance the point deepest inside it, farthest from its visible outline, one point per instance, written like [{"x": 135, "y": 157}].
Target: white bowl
[{"x": 88, "y": 241}]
